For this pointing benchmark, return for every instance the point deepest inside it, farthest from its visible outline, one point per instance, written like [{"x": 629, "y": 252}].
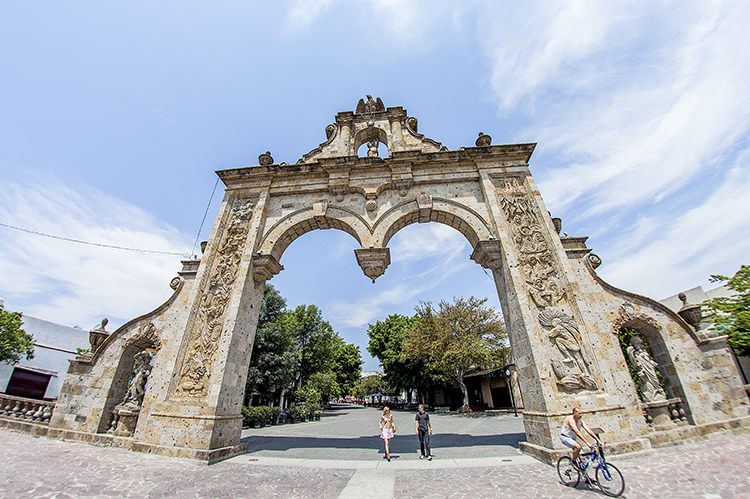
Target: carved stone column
[
  {"x": 198, "y": 407},
  {"x": 550, "y": 334}
]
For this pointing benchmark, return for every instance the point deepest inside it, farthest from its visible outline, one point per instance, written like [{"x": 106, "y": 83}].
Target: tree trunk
[{"x": 465, "y": 392}]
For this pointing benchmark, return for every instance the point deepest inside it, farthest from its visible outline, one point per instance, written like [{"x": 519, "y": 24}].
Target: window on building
[{"x": 29, "y": 384}]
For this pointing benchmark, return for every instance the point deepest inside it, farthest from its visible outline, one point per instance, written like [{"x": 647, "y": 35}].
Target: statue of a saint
[
  {"x": 372, "y": 149},
  {"x": 645, "y": 368},
  {"x": 134, "y": 396}
]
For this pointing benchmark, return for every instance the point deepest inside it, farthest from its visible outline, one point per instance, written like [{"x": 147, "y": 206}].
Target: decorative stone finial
[
  {"x": 265, "y": 159},
  {"x": 692, "y": 314},
  {"x": 98, "y": 335},
  {"x": 483, "y": 140}
]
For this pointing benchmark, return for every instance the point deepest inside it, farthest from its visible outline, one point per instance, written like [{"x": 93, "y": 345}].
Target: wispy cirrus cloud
[
  {"x": 78, "y": 284},
  {"x": 441, "y": 252},
  {"x": 640, "y": 111}
]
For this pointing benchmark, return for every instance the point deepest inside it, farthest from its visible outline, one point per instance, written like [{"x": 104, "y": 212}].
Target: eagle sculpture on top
[{"x": 369, "y": 107}]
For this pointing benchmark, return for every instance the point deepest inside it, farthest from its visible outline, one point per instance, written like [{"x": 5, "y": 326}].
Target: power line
[
  {"x": 197, "y": 236},
  {"x": 90, "y": 243}
]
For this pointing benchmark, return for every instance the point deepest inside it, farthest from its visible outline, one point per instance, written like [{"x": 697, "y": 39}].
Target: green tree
[
  {"x": 347, "y": 364},
  {"x": 274, "y": 360},
  {"x": 386, "y": 344},
  {"x": 323, "y": 383},
  {"x": 322, "y": 350},
  {"x": 457, "y": 338},
  {"x": 14, "y": 341},
  {"x": 315, "y": 341},
  {"x": 731, "y": 314},
  {"x": 370, "y": 385}
]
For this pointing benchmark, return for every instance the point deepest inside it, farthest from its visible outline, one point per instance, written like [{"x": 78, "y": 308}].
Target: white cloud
[
  {"x": 684, "y": 252},
  {"x": 406, "y": 23},
  {"x": 441, "y": 252},
  {"x": 429, "y": 240},
  {"x": 638, "y": 109},
  {"x": 304, "y": 13},
  {"x": 78, "y": 284}
]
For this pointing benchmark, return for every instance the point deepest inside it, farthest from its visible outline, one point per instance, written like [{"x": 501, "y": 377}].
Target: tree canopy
[
  {"x": 456, "y": 338},
  {"x": 14, "y": 341},
  {"x": 386, "y": 344},
  {"x": 299, "y": 348},
  {"x": 731, "y": 314}
]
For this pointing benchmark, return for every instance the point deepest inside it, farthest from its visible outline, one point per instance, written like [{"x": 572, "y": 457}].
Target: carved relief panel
[
  {"x": 545, "y": 285},
  {"x": 205, "y": 334}
]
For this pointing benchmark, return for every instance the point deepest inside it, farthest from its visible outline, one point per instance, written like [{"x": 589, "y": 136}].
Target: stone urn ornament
[{"x": 98, "y": 335}]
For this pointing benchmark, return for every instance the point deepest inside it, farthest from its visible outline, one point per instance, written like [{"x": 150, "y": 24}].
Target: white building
[{"x": 42, "y": 376}]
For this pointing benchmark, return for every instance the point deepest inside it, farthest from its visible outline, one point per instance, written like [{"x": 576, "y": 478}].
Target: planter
[
  {"x": 317, "y": 417},
  {"x": 294, "y": 420},
  {"x": 262, "y": 423},
  {"x": 253, "y": 424}
]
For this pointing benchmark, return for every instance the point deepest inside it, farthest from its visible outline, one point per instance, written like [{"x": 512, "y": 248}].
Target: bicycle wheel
[
  {"x": 568, "y": 474},
  {"x": 610, "y": 479}
]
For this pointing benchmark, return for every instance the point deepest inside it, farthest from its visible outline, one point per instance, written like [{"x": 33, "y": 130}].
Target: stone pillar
[
  {"x": 552, "y": 333},
  {"x": 196, "y": 404}
]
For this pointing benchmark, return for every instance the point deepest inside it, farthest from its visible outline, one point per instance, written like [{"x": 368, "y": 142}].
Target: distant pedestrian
[
  {"x": 423, "y": 428},
  {"x": 386, "y": 430}
]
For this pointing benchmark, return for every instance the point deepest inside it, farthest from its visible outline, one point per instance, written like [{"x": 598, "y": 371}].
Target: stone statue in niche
[
  {"x": 645, "y": 368},
  {"x": 372, "y": 149},
  {"x": 572, "y": 370},
  {"x": 125, "y": 414}
]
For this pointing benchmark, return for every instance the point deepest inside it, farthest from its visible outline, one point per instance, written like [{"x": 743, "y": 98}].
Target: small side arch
[
  {"x": 650, "y": 331},
  {"x": 444, "y": 211},
  {"x": 285, "y": 231}
]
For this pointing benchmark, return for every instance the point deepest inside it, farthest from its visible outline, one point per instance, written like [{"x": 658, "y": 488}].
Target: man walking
[{"x": 423, "y": 428}]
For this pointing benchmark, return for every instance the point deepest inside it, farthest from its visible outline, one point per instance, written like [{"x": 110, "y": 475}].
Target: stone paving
[{"x": 46, "y": 468}]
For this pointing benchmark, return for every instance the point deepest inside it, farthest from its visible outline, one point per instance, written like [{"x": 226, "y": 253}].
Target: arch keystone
[{"x": 373, "y": 261}]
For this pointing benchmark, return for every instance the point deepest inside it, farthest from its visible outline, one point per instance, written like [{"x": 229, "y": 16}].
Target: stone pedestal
[
  {"x": 126, "y": 421},
  {"x": 659, "y": 414}
]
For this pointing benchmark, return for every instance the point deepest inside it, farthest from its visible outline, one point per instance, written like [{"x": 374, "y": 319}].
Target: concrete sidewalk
[
  {"x": 350, "y": 433},
  {"x": 46, "y": 468}
]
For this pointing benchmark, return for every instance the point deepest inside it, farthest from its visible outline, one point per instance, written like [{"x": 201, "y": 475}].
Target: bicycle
[{"x": 607, "y": 477}]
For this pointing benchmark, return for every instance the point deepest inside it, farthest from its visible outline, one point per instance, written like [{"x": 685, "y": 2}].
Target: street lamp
[{"x": 510, "y": 389}]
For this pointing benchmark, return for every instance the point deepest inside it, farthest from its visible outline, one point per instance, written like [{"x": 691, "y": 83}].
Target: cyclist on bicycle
[{"x": 571, "y": 432}]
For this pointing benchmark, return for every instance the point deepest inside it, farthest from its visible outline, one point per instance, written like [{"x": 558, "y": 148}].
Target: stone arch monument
[{"x": 562, "y": 319}]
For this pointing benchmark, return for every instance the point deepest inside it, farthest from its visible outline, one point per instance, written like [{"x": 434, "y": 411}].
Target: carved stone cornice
[
  {"x": 488, "y": 254},
  {"x": 265, "y": 267},
  {"x": 373, "y": 261}
]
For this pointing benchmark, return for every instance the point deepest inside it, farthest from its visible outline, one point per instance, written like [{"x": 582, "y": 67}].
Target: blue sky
[{"x": 115, "y": 117}]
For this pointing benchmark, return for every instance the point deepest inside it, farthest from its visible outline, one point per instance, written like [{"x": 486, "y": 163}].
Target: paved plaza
[{"x": 342, "y": 456}]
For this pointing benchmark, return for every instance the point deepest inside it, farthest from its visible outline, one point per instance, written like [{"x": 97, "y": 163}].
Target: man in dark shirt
[{"x": 423, "y": 428}]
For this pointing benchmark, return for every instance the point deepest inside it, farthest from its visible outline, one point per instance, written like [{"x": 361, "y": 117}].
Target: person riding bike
[{"x": 571, "y": 433}]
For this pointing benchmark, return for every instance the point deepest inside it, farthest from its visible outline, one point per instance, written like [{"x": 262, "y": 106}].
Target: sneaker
[
  {"x": 429, "y": 458},
  {"x": 421, "y": 456}
]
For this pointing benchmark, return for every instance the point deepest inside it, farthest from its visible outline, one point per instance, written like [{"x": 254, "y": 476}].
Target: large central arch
[{"x": 563, "y": 320}]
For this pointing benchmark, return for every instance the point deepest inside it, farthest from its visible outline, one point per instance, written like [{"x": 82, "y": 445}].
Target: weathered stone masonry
[{"x": 562, "y": 318}]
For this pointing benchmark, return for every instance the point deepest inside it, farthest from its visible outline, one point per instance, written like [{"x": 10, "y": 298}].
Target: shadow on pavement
[{"x": 400, "y": 443}]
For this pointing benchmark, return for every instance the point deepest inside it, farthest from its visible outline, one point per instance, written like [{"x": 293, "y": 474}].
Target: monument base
[
  {"x": 202, "y": 456},
  {"x": 656, "y": 439}
]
